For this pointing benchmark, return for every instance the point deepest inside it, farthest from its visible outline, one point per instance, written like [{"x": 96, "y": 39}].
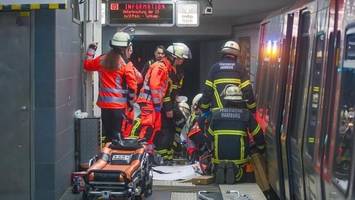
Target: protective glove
[{"x": 91, "y": 50}]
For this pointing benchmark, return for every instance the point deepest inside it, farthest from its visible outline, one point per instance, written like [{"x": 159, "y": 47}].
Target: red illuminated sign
[{"x": 151, "y": 13}]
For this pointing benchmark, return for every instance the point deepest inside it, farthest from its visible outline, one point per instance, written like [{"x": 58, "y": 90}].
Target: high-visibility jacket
[
  {"x": 131, "y": 111},
  {"x": 116, "y": 87},
  {"x": 225, "y": 72},
  {"x": 155, "y": 84},
  {"x": 229, "y": 128}
]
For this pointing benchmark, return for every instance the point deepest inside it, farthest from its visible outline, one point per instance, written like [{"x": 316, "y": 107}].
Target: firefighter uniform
[
  {"x": 225, "y": 72},
  {"x": 150, "y": 99},
  {"x": 164, "y": 143},
  {"x": 229, "y": 129},
  {"x": 116, "y": 89}
]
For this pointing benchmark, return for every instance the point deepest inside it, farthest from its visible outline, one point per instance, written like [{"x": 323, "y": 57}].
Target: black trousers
[
  {"x": 165, "y": 137},
  {"x": 111, "y": 122}
]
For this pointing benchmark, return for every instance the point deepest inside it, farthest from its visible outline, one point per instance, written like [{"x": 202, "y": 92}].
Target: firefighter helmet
[
  {"x": 231, "y": 48},
  {"x": 121, "y": 39},
  {"x": 184, "y": 109},
  {"x": 196, "y": 100},
  {"x": 232, "y": 92},
  {"x": 179, "y": 50}
]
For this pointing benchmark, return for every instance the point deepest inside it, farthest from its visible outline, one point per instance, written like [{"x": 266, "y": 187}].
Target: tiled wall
[{"x": 57, "y": 96}]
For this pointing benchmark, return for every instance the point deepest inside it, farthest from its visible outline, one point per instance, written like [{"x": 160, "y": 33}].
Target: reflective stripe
[
  {"x": 218, "y": 100},
  {"x": 209, "y": 83},
  {"x": 155, "y": 91},
  {"x": 146, "y": 87},
  {"x": 156, "y": 101},
  {"x": 177, "y": 129},
  {"x": 205, "y": 106},
  {"x": 112, "y": 99},
  {"x": 167, "y": 99},
  {"x": 229, "y": 132},
  {"x": 146, "y": 96},
  {"x": 244, "y": 84},
  {"x": 237, "y": 162},
  {"x": 113, "y": 90},
  {"x": 227, "y": 80},
  {"x": 242, "y": 148},
  {"x": 256, "y": 130},
  {"x": 174, "y": 87},
  {"x": 251, "y": 106},
  {"x": 210, "y": 131}
]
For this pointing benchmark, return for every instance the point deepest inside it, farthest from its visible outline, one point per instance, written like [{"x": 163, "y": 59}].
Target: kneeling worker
[{"x": 229, "y": 129}]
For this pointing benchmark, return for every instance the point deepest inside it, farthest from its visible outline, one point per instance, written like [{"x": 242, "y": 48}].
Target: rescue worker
[
  {"x": 170, "y": 114},
  {"x": 158, "y": 56},
  {"x": 132, "y": 111},
  {"x": 229, "y": 127},
  {"x": 193, "y": 131},
  {"x": 227, "y": 71},
  {"x": 154, "y": 89},
  {"x": 117, "y": 82}
]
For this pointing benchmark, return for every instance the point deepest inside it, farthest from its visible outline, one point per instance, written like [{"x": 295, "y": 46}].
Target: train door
[
  {"x": 15, "y": 101},
  {"x": 312, "y": 178},
  {"x": 288, "y": 47},
  {"x": 298, "y": 99},
  {"x": 343, "y": 160}
]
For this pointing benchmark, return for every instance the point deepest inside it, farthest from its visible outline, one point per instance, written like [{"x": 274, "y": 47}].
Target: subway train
[{"x": 305, "y": 95}]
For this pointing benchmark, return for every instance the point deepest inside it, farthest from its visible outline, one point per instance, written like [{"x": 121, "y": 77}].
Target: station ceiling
[{"x": 245, "y": 11}]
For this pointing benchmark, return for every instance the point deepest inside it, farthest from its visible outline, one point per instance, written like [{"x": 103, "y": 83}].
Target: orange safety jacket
[
  {"x": 155, "y": 84},
  {"x": 116, "y": 87}
]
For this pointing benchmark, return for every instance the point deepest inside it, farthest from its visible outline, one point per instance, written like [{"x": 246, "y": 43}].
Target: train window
[
  {"x": 314, "y": 90},
  {"x": 350, "y": 47},
  {"x": 345, "y": 134}
]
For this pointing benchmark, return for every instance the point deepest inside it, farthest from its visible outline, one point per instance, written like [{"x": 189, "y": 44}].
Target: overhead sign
[
  {"x": 187, "y": 14},
  {"x": 141, "y": 13}
]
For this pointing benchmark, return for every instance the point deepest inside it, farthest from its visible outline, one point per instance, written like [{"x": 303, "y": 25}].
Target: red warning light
[{"x": 114, "y": 6}]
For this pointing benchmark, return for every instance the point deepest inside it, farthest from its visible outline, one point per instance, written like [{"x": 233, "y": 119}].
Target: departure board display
[{"x": 141, "y": 13}]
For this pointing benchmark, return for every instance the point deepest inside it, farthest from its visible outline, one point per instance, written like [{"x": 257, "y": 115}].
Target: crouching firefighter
[{"x": 229, "y": 127}]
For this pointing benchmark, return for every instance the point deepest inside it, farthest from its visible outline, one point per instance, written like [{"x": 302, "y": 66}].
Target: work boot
[
  {"x": 230, "y": 173},
  {"x": 220, "y": 169}
]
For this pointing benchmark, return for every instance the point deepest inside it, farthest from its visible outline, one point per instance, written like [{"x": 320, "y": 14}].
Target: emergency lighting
[
  {"x": 274, "y": 49},
  {"x": 268, "y": 48},
  {"x": 271, "y": 49}
]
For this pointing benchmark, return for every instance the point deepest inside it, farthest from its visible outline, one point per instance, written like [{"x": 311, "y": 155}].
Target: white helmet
[
  {"x": 121, "y": 39},
  {"x": 195, "y": 100},
  {"x": 231, "y": 47},
  {"x": 185, "y": 109},
  {"x": 179, "y": 50},
  {"x": 232, "y": 92}
]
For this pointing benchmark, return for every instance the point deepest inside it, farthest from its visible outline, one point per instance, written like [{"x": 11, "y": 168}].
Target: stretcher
[{"x": 121, "y": 170}]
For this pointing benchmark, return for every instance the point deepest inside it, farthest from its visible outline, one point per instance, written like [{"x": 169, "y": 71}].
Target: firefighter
[
  {"x": 154, "y": 89},
  {"x": 227, "y": 71},
  {"x": 170, "y": 115},
  {"x": 229, "y": 127},
  {"x": 117, "y": 82}
]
